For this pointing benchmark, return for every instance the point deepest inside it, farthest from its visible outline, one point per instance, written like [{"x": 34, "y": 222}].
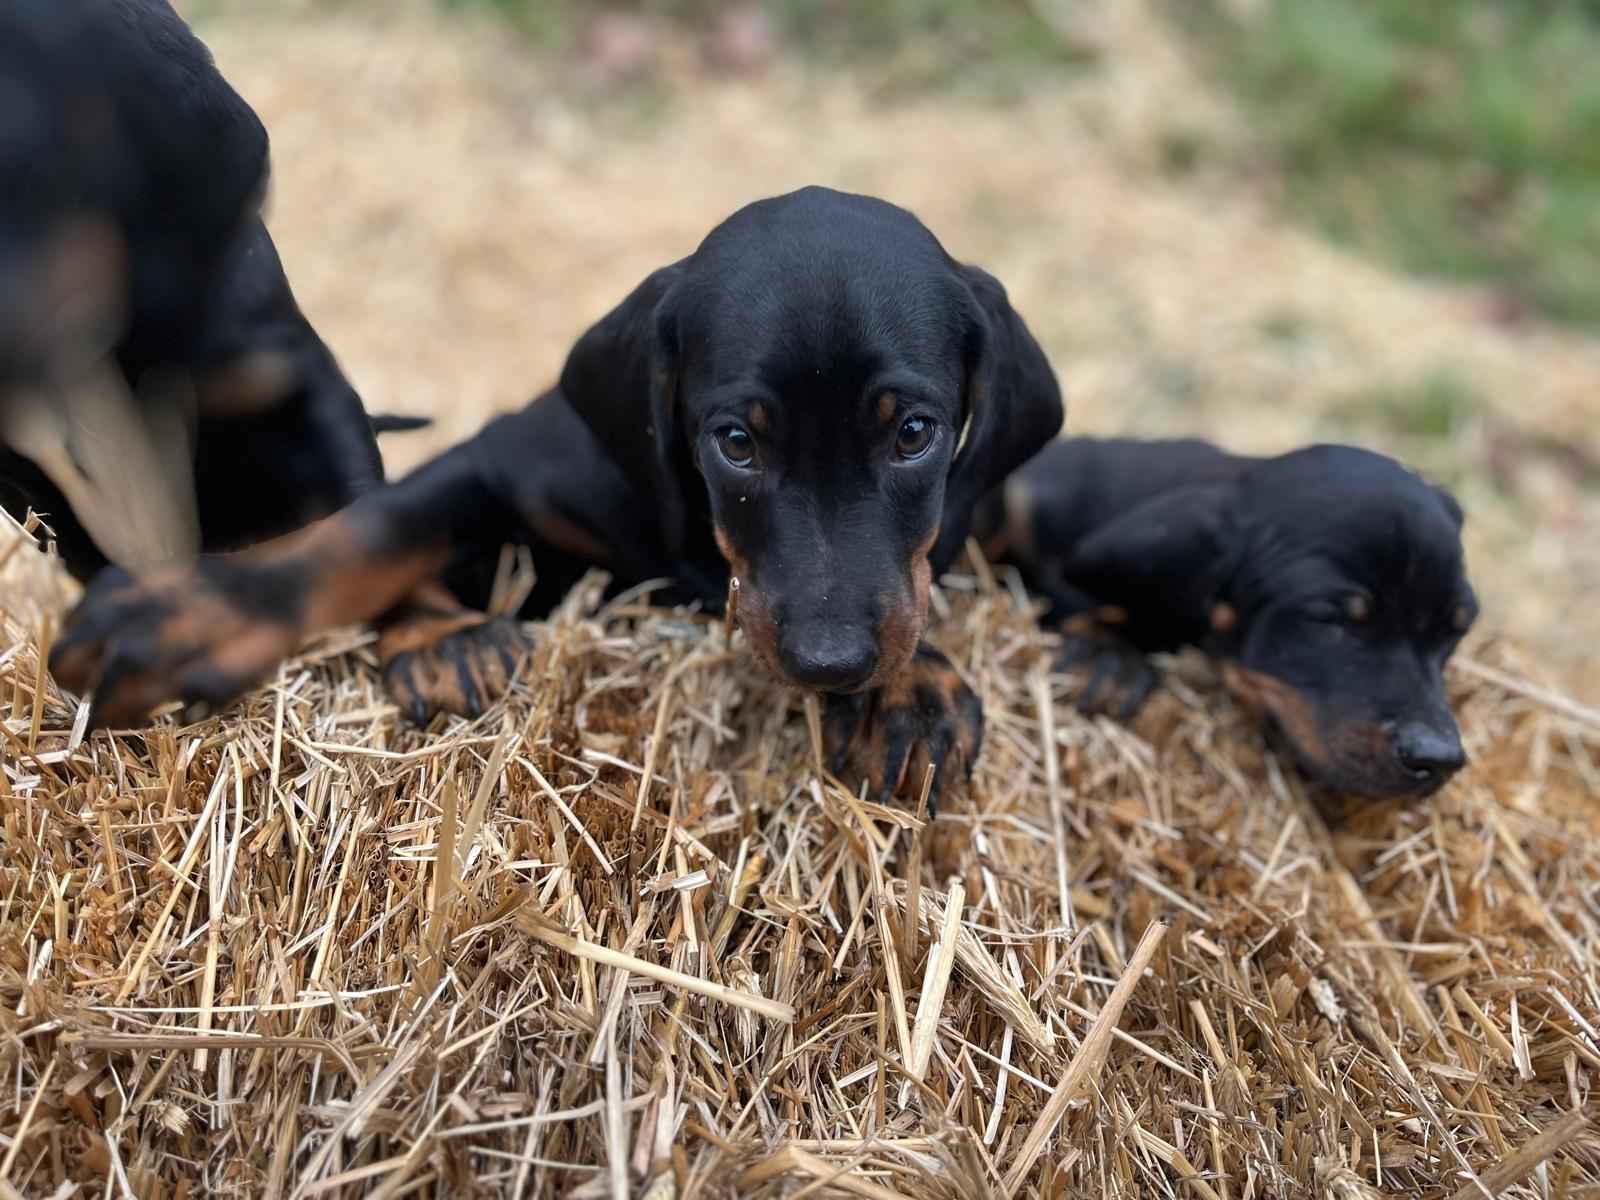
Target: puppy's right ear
[{"x": 621, "y": 378}]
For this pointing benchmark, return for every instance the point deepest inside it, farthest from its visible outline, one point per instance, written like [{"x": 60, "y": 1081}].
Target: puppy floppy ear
[
  {"x": 1175, "y": 553},
  {"x": 1452, "y": 506},
  {"x": 1012, "y": 407},
  {"x": 621, "y": 379}
]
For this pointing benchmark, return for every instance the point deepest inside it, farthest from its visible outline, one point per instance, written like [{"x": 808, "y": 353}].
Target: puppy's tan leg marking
[
  {"x": 252, "y": 384},
  {"x": 125, "y": 467}
]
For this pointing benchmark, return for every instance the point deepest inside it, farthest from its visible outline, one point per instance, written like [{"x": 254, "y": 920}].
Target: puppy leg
[
  {"x": 206, "y": 631},
  {"x": 283, "y": 437}
]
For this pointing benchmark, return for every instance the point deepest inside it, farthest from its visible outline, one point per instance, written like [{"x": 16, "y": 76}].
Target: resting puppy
[
  {"x": 160, "y": 391},
  {"x": 785, "y": 406},
  {"x": 1329, "y": 581}
]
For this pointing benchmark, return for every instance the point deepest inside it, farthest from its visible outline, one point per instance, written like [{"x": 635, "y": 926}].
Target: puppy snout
[
  {"x": 1429, "y": 753},
  {"x": 828, "y": 657}
]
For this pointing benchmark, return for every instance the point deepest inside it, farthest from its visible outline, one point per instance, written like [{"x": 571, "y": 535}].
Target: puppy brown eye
[
  {"x": 914, "y": 438},
  {"x": 737, "y": 446}
]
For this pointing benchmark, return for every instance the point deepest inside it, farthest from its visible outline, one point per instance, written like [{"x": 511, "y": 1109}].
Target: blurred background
[{"x": 1265, "y": 223}]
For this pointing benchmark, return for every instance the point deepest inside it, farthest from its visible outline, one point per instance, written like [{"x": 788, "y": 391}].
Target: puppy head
[
  {"x": 802, "y": 383},
  {"x": 62, "y": 269},
  {"x": 1345, "y": 596}
]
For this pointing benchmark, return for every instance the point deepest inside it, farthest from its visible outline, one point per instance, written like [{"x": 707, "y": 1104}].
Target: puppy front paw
[
  {"x": 455, "y": 661},
  {"x": 202, "y": 633},
  {"x": 1118, "y": 678},
  {"x": 892, "y": 735}
]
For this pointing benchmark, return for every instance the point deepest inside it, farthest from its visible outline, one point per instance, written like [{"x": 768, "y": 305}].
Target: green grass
[
  {"x": 1434, "y": 408},
  {"x": 1443, "y": 425},
  {"x": 1425, "y": 421},
  {"x": 1458, "y": 138},
  {"x": 992, "y": 47}
]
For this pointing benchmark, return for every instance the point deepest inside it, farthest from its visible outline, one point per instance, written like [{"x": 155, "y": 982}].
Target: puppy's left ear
[
  {"x": 621, "y": 379},
  {"x": 1012, "y": 407}
]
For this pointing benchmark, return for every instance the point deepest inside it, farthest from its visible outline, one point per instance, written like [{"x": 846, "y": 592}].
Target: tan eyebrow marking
[
  {"x": 759, "y": 420},
  {"x": 888, "y": 405}
]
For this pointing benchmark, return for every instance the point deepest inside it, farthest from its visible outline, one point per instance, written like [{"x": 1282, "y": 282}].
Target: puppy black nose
[
  {"x": 828, "y": 657},
  {"x": 1430, "y": 753}
]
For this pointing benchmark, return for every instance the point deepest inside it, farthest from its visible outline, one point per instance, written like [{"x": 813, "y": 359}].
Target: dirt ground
[{"x": 454, "y": 211}]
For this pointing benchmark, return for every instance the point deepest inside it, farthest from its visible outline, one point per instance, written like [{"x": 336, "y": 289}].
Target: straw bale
[{"x": 304, "y": 950}]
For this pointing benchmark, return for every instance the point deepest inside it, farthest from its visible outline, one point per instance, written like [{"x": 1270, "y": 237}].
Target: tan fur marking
[
  {"x": 346, "y": 580},
  {"x": 1018, "y": 505},
  {"x": 1223, "y": 617},
  {"x": 253, "y": 383},
  {"x": 418, "y": 632},
  {"x": 752, "y": 612},
  {"x": 905, "y": 618},
  {"x": 1360, "y": 749},
  {"x": 570, "y": 537},
  {"x": 1294, "y": 714},
  {"x": 1081, "y": 624}
]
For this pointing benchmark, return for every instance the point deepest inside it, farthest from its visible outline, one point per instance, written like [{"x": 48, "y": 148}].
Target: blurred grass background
[
  {"x": 1456, "y": 137},
  {"x": 1261, "y": 221}
]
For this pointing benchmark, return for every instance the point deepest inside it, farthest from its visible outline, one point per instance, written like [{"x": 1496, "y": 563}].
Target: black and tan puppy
[
  {"x": 812, "y": 403},
  {"x": 160, "y": 391},
  {"x": 1330, "y": 583}
]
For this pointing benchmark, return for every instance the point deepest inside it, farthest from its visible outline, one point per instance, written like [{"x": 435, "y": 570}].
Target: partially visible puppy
[
  {"x": 161, "y": 392},
  {"x": 1330, "y": 583}
]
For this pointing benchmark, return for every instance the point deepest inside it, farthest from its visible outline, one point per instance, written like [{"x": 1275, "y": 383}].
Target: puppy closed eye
[
  {"x": 1353, "y": 609},
  {"x": 1325, "y": 612},
  {"x": 1448, "y": 632}
]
